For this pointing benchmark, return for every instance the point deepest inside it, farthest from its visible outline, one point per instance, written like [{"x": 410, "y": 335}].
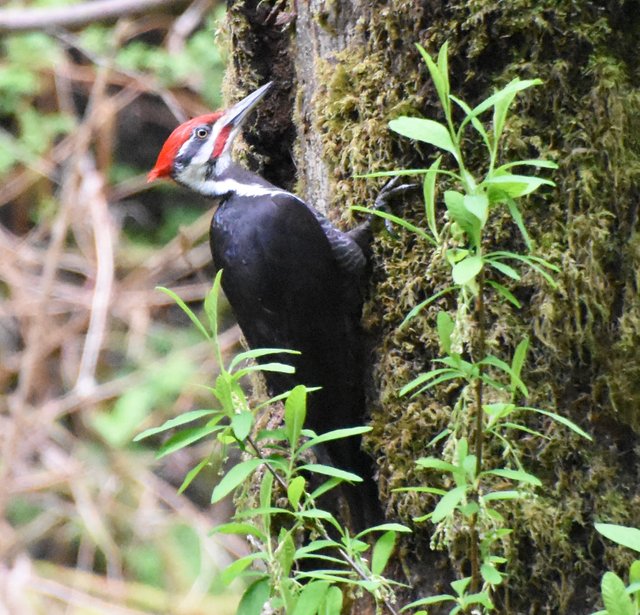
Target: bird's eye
[{"x": 202, "y": 133}]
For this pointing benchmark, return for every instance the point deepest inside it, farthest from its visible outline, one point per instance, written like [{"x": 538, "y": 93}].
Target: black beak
[{"x": 236, "y": 114}]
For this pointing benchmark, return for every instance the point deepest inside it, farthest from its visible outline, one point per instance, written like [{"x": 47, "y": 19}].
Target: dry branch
[
  {"x": 15, "y": 20},
  {"x": 79, "y": 318}
]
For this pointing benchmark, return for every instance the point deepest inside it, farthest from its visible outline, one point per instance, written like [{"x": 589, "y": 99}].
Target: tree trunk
[{"x": 343, "y": 70}]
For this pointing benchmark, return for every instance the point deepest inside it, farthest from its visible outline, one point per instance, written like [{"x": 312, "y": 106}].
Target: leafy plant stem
[
  {"x": 319, "y": 527},
  {"x": 479, "y": 427}
]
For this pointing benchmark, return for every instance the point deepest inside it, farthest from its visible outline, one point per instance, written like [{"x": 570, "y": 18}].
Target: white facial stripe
[{"x": 225, "y": 186}]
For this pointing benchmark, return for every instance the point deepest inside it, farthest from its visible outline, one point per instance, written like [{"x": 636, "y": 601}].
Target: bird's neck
[{"x": 233, "y": 179}]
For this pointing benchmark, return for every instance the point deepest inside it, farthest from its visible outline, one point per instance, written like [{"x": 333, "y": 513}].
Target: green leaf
[
  {"x": 475, "y": 122},
  {"x": 524, "y": 429},
  {"x": 516, "y": 214},
  {"x": 294, "y": 491},
  {"x": 241, "y": 424},
  {"x": 445, "y": 327},
  {"x": 239, "y": 529},
  {"x": 328, "y": 485},
  {"x": 499, "y": 409},
  {"x": 448, "y": 504},
  {"x": 419, "y": 489},
  {"x": 285, "y": 552},
  {"x": 234, "y": 477},
  {"x": 382, "y": 550},
  {"x": 460, "y": 586},
  {"x": 186, "y": 437},
  {"x": 505, "y": 292},
  {"x": 517, "y": 475},
  {"x": 256, "y": 353},
  {"x": 469, "y": 223},
  {"x": 502, "y": 187},
  {"x": 634, "y": 573},
  {"x": 314, "y": 513},
  {"x": 436, "y": 464},
  {"x": 490, "y": 574},
  {"x": 429, "y": 600},
  {"x": 266, "y": 491},
  {"x": 336, "y": 434},
  {"x": 537, "y": 162},
  {"x": 424, "y": 130},
  {"x": 311, "y": 597},
  {"x": 188, "y": 479},
  {"x": 281, "y": 368},
  {"x": 332, "y": 604},
  {"x": 502, "y": 495},
  {"x": 434, "y": 378},
  {"x": 316, "y": 545},
  {"x": 443, "y": 68},
  {"x": 626, "y": 536},
  {"x": 478, "y": 205},
  {"x": 383, "y": 527},
  {"x": 396, "y": 220},
  {"x": 503, "y": 268},
  {"x": 519, "y": 357},
  {"x": 506, "y": 368},
  {"x": 501, "y": 101},
  {"x": 211, "y": 307},
  {"x": 185, "y": 308},
  {"x": 404, "y": 173},
  {"x": 469, "y": 509},
  {"x": 467, "y": 270},
  {"x": 254, "y": 598},
  {"x": 614, "y": 595},
  {"x": 478, "y": 598},
  {"x": 330, "y": 471},
  {"x": 236, "y": 568},
  {"x": 185, "y": 417},
  {"x": 532, "y": 261},
  {"x": 418, "y": 308},
  {"x": 429, "y": 190},
  {"x": 440, "y": 79},
  {"x": 295, "y": 412},
  {"x": 560, "y": 419}
]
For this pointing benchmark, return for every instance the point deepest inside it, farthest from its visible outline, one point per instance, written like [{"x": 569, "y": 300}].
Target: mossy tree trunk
[{"x": 344, "y": 69}]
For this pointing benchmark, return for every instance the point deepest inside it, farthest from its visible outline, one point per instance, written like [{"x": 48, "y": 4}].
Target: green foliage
[
  {"x": 277, "y": 459},
  {"x": 619, "y": 599},
  {"x": 162, "y": 383},
  {"x": 23, "y": 60},
  {"x": 199, "y": 64},
  {"x": 479, "y": 496}
]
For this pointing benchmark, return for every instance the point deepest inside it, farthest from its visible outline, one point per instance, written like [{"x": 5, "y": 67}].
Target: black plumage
[{"x": 293, "y": 285}]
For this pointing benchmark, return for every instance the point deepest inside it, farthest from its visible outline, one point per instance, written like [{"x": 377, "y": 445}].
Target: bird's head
[{"x": 198, "y": 150}]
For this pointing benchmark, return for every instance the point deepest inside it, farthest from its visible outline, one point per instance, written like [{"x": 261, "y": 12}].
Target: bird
[{"x": 293, "y": 280}]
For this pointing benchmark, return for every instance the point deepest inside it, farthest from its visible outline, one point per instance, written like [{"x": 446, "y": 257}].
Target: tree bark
[{"x": 343, "y": 70}]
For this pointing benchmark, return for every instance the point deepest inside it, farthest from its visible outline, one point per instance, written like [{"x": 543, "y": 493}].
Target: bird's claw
[{"x": 389, "y": 191}]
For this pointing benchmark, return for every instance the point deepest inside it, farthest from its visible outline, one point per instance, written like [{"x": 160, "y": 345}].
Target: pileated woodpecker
[{"x": 293, "y": 280}]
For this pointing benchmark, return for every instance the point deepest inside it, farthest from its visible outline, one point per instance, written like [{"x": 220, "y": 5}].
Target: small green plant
[
  {"x": 491, "y": 391},
  {"x": 619, "y": 599},
  {"x": 304, "y": 557}
]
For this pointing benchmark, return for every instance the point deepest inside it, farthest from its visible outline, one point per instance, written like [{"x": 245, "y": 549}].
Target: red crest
[{"x": 175, "y": 141}]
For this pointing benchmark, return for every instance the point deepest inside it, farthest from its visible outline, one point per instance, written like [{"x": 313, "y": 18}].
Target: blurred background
[{"x": 90, "y": 353}]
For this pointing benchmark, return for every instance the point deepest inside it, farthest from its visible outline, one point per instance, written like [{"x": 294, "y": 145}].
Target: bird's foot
[{"x": 389, "y": 191}]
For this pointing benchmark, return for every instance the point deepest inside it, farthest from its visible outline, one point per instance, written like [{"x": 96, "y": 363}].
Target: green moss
[
  {"x": 585, "y": 358},
  {"x": 585, "y": 361}
]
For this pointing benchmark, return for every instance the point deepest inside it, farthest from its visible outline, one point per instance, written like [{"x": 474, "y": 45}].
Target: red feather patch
[
  {"x": 176, "y": 140},
  {"x": 221, "y": 141}
]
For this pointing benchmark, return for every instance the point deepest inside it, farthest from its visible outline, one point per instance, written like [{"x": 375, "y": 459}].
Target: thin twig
[
  {"x": 91, "y": 192},
  {"x": 76, "y": 15}
]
